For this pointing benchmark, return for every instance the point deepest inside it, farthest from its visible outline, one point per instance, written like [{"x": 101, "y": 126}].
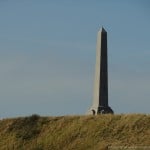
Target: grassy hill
[{"x": 75, "y": 132}]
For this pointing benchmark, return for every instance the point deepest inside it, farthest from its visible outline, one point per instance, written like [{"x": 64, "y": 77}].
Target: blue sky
[{"x": 47, "y": 55}]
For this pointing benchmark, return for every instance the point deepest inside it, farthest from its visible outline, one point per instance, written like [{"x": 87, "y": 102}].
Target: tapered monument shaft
[{"x": 100, "y": 94}]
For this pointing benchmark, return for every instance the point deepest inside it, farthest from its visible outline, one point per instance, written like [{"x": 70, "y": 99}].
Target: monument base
[
  {"x": 104, "y": 110},
  {"x": 100, "y": 110}
]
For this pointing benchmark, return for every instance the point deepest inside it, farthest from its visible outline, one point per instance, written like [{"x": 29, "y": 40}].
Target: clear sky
[{"x": 47, "y": 55}]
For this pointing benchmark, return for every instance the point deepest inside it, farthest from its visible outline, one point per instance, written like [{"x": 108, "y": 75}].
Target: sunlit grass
[{"x": 74, "y": 132}]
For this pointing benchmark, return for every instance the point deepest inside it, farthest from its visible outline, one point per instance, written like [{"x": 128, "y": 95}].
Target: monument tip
[{"x": 102, "y": 29}]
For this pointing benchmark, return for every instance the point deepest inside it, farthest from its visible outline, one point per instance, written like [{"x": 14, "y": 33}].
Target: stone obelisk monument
[{"x": 100, "y": 94}]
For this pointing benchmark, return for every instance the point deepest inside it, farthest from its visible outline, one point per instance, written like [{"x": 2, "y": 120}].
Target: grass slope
[{"x": 74, "y": 132}]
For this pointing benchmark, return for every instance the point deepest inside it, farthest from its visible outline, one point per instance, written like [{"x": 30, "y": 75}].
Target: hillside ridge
[{"x": 75, "y": 132}]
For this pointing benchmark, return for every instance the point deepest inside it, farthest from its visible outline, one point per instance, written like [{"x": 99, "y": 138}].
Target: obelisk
[{"x": 100, "y": 94}]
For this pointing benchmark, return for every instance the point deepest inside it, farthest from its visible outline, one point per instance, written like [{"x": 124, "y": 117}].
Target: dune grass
[{"x": 75, "y": 132}]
